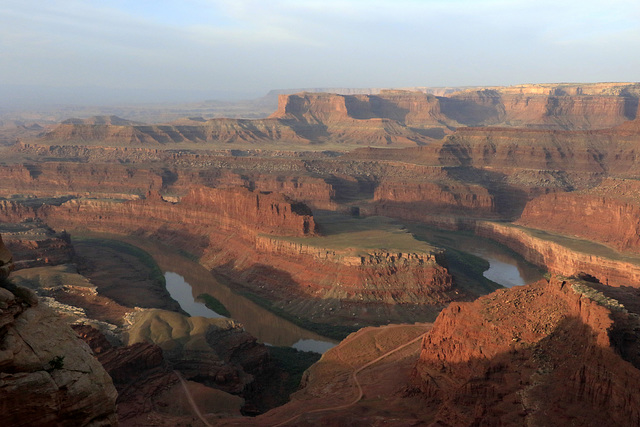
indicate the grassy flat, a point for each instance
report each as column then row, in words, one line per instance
column 355, row 236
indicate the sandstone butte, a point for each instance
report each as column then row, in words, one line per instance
column 538, row 168
column 396, row 118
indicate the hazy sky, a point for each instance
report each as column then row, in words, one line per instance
column 247, row 47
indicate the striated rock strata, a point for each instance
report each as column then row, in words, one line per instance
column 415, row 200
column 34, row 244
column 609, row 214
column 567, row 257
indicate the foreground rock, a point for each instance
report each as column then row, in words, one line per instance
column 47, row 375
column 542, row 354
column 149, row 390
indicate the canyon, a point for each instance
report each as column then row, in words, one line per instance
column 330, row 213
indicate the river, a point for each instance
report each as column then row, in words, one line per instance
column 506, row 267
column 187, row 279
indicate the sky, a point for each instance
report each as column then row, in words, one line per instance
column 109, row 51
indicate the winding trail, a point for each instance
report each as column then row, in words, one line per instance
column 354, row 377
column 190, row 399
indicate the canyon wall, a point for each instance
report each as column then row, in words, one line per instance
column 555, row 110
column 392, row 117
column 416, row 200
column 233, row 231
column 79, row 179
column 34, row 244
column 372, row 277
column 202, row 210
column 609, row 214
column 610, row 268
column 542, row 354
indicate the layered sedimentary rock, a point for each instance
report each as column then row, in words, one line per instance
column 215, row 352
column 206, row 209
column 390, row 117
column 608, row 214
column 49, row 377
column 560, row 107
column 77, row 179
column 567, row 257
column 232, row 231
column 415, row 200
column 543, row 354
column 373, row 277
column 35, row 244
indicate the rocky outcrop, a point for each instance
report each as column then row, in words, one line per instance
column 202, row 211
column 543, row 354
column 369, row 277
column 391, row 117
column 47, row 375
column 215, row 352
column 232, row 231
column 550, row 108
column 147, row 384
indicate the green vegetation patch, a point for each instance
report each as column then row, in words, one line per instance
column 597, row 296
column 155, row 273
column 357, row 235
column 214, row 304
column 467, row 269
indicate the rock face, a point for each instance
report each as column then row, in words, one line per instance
column 6, row 260
column 234, row 231
column 215, row 352
column 563, row 256
column 560, row 107
column 147, row 384
column 47, row 375
column 235, row 209
column 543, row 354
column 414, row 200
column 388, row 118
column 77, row 179
column 609, row 214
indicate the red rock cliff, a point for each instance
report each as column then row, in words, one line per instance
column 414, row 200
column 609, row 214
column 540, row 354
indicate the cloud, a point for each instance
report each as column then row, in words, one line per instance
column 258, row 45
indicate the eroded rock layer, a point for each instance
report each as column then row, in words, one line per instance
column 389, row 118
